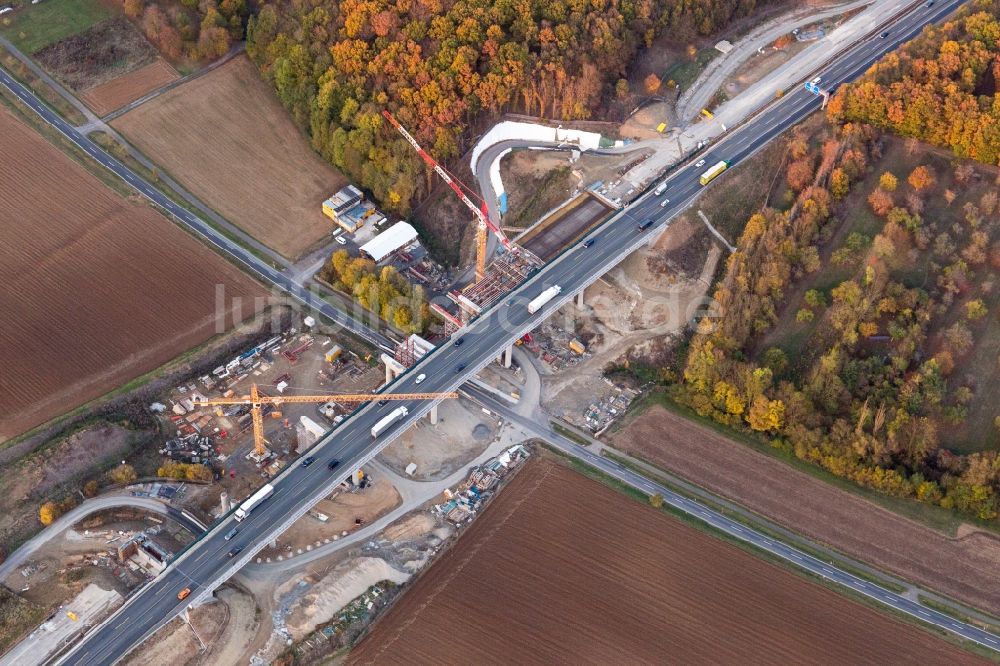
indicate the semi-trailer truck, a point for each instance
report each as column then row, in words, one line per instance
column 387, row 421
column 714, row 171
column 538, row 301
column 253, row 501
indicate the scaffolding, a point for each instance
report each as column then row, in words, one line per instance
column 412, row 349
column 451, row 322
column 505, row 272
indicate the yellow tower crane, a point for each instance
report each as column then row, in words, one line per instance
column 256, row 400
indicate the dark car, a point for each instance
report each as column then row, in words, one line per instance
column 308, row 461
column 588, row 242
column 884, row 34
column 383, row 403
column 645, row 224
column 334, row 464
column 461, row 366
column 235, row 551
column 231, row 533
column 458, row 343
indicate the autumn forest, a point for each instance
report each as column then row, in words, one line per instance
column 441, row 66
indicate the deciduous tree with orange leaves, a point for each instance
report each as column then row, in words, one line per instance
column 938, row 87
column 921, row 178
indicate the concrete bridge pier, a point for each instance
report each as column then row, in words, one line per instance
column 393, row 368
column 432, row 416
column 504, row 357
column 579, row 299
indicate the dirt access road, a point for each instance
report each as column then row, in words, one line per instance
column 961, row 567
column 118, row 92
column 561, row 569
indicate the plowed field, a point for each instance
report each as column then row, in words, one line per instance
column 96, row 289
column 959, row 567
column 226, row 137
column 118, row 92
column 562, row 570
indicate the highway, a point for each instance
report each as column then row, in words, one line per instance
column 204, row 565
column 738, row 530
column 240, row 255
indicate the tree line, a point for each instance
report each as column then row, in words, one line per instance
column 868, row 395
column 194, row 30
column 939, row 88
column 380, row 290
column 439, row 65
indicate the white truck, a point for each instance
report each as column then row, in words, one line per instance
column 386, row 421
column 660, row 189
column 538, row 301
column 254, row 500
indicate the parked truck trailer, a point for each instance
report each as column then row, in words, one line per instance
column 387, row 421
column 538, row 301
column 253, row 501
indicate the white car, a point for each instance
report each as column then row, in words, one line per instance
column 421, row 377
column 699, row 164
column 341, row 240
column 664, row 203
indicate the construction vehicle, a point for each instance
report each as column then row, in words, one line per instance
column 387, row 421
column 713, row 171
column 257, row 400
column 481, row 212
column 253, row 501
column 538, row 301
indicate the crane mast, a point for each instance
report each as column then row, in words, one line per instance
column 257, row 400
column 481, row 212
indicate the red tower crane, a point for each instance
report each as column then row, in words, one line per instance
column 481, row 212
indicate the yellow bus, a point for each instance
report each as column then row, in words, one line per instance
column 707, row 177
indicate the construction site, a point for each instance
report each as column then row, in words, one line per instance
column 247, row 419
column 567, row 224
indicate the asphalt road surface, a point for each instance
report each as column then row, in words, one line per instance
column 204, row 565
column 738, row 530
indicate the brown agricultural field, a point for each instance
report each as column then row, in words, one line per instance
column 563, row 570
column 96, row 289
column 962, row 567
column 118, row 92
column 226, row 137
